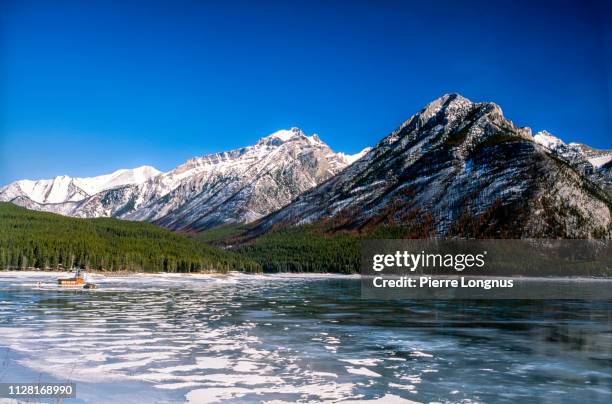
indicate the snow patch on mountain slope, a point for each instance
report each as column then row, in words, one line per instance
column 600, row 161
column 549, row 141
column 58, row 189
column 116, row 179
column 351, row 158
column 598, row 158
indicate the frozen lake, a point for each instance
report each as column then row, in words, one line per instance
column 281, row 338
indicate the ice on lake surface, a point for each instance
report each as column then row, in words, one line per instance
column 279, row 338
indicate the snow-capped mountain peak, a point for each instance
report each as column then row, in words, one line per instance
column 450, row 105
column 288, row 135
column 282, row 136
column 245, row 184
column 548, row 140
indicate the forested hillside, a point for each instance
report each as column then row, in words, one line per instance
column 49, row 241
column 310, row 248
column 304, row 249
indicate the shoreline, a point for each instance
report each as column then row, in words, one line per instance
column 212, row 274
column 111, row 274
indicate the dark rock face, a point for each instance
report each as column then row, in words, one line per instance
column 466, row 170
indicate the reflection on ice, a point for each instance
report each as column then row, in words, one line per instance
column 287, row 338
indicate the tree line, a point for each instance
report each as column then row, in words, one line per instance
column 30, row 239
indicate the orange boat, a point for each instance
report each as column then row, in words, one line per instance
column 76, row 280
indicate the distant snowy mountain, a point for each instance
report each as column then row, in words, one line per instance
column 238, row 186
column 66, row 189
column 461, row 168
column 593, row 163
column 574, row 151
column 351, row 158
column 598, row 158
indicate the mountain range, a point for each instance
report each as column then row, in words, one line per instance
column 238, row 186
column 456, row 168
column 459, row 168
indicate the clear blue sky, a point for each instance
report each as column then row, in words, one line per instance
column 89, row 87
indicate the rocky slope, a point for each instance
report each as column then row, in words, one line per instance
column 461, row 168
column 243, row 185
column 237, row 186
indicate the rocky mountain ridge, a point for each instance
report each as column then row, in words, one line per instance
column 237, row 186
column 455, row 168
column 461, row 168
